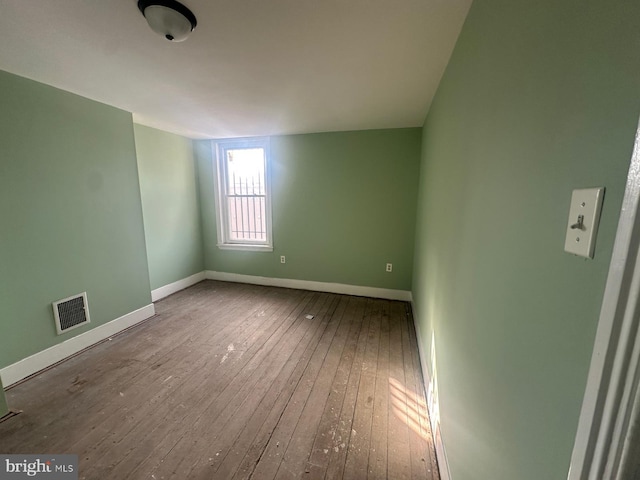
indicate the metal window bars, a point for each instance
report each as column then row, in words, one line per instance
column 246, row 197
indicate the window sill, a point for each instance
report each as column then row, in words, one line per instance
column 245, row 247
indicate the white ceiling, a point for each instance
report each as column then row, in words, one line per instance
column 251, row 67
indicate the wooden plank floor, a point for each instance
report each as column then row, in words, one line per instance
column 236, row 381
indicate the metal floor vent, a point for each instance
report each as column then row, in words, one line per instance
column 71, row 312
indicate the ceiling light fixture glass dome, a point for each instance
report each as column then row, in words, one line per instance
column 168, row 18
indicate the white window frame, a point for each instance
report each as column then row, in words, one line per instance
column 222, row 218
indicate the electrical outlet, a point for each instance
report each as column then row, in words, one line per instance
column 283, row 259
column 389, row 267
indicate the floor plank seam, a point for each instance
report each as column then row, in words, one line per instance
column 266, row 444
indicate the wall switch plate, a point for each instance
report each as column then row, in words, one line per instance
column 584, row 217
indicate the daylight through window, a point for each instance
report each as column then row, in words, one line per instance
column 243, row 195
column 246, row 194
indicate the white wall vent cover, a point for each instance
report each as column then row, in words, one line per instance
column 71, row 312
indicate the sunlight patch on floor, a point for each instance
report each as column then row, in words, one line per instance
column 409, row 408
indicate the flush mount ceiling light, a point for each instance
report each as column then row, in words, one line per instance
column 168, row 18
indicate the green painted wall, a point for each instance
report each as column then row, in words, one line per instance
column 71, row 214
column 539, row 98
column 170, row 205
column 343, row 206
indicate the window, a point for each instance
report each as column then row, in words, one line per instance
column 243, row 212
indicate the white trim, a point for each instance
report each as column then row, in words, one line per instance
column 41, row 360
column 607, row 407
column 219, row 188
column 441, row 453
column 245, row 247
column 342, row 288
column 162, row 292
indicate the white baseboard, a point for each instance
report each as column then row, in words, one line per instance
column 41, row 360
column 160, row 293
column 441, row 454
column 357, row 290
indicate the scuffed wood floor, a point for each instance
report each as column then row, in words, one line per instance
column 236, row 381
